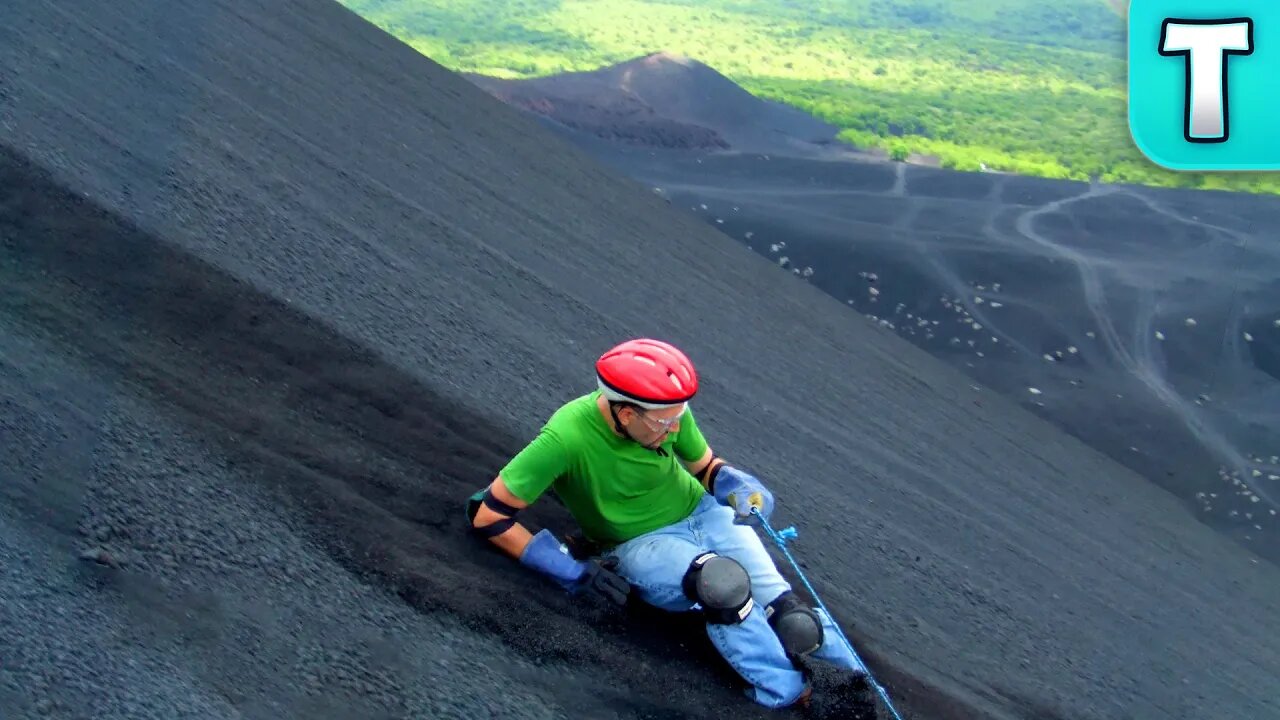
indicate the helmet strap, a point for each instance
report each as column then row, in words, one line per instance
column 617, row 422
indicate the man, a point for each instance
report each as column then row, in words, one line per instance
column 655, row 502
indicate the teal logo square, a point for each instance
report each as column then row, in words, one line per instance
column 1204, row 83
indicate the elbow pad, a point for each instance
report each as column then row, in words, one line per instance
column 485, row 497
column 708, row 479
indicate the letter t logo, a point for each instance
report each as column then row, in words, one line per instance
column 1206, row 44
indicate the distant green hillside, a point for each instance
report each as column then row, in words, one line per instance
column 1016, row 85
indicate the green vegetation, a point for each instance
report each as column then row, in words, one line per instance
column 1012, row 85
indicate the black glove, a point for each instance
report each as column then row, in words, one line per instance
column 601, row 580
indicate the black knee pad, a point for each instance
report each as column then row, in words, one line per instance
column 797, row 625
column 721, row 586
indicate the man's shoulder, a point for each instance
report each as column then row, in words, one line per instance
column 573, row 417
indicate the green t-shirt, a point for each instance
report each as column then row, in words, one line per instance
column 615, row 488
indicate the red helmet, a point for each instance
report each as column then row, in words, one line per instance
column 649, row 373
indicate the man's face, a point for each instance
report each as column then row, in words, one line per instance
column 651, row 427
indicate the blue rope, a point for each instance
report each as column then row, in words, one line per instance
column 781, row 538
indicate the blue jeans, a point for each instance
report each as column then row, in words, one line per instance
column 655, row 564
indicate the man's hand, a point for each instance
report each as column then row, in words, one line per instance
column 742, row 491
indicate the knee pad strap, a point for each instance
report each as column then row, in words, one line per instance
column 797, row 625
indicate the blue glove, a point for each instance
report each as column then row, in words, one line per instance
column 742, row 491
column 549, row 556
